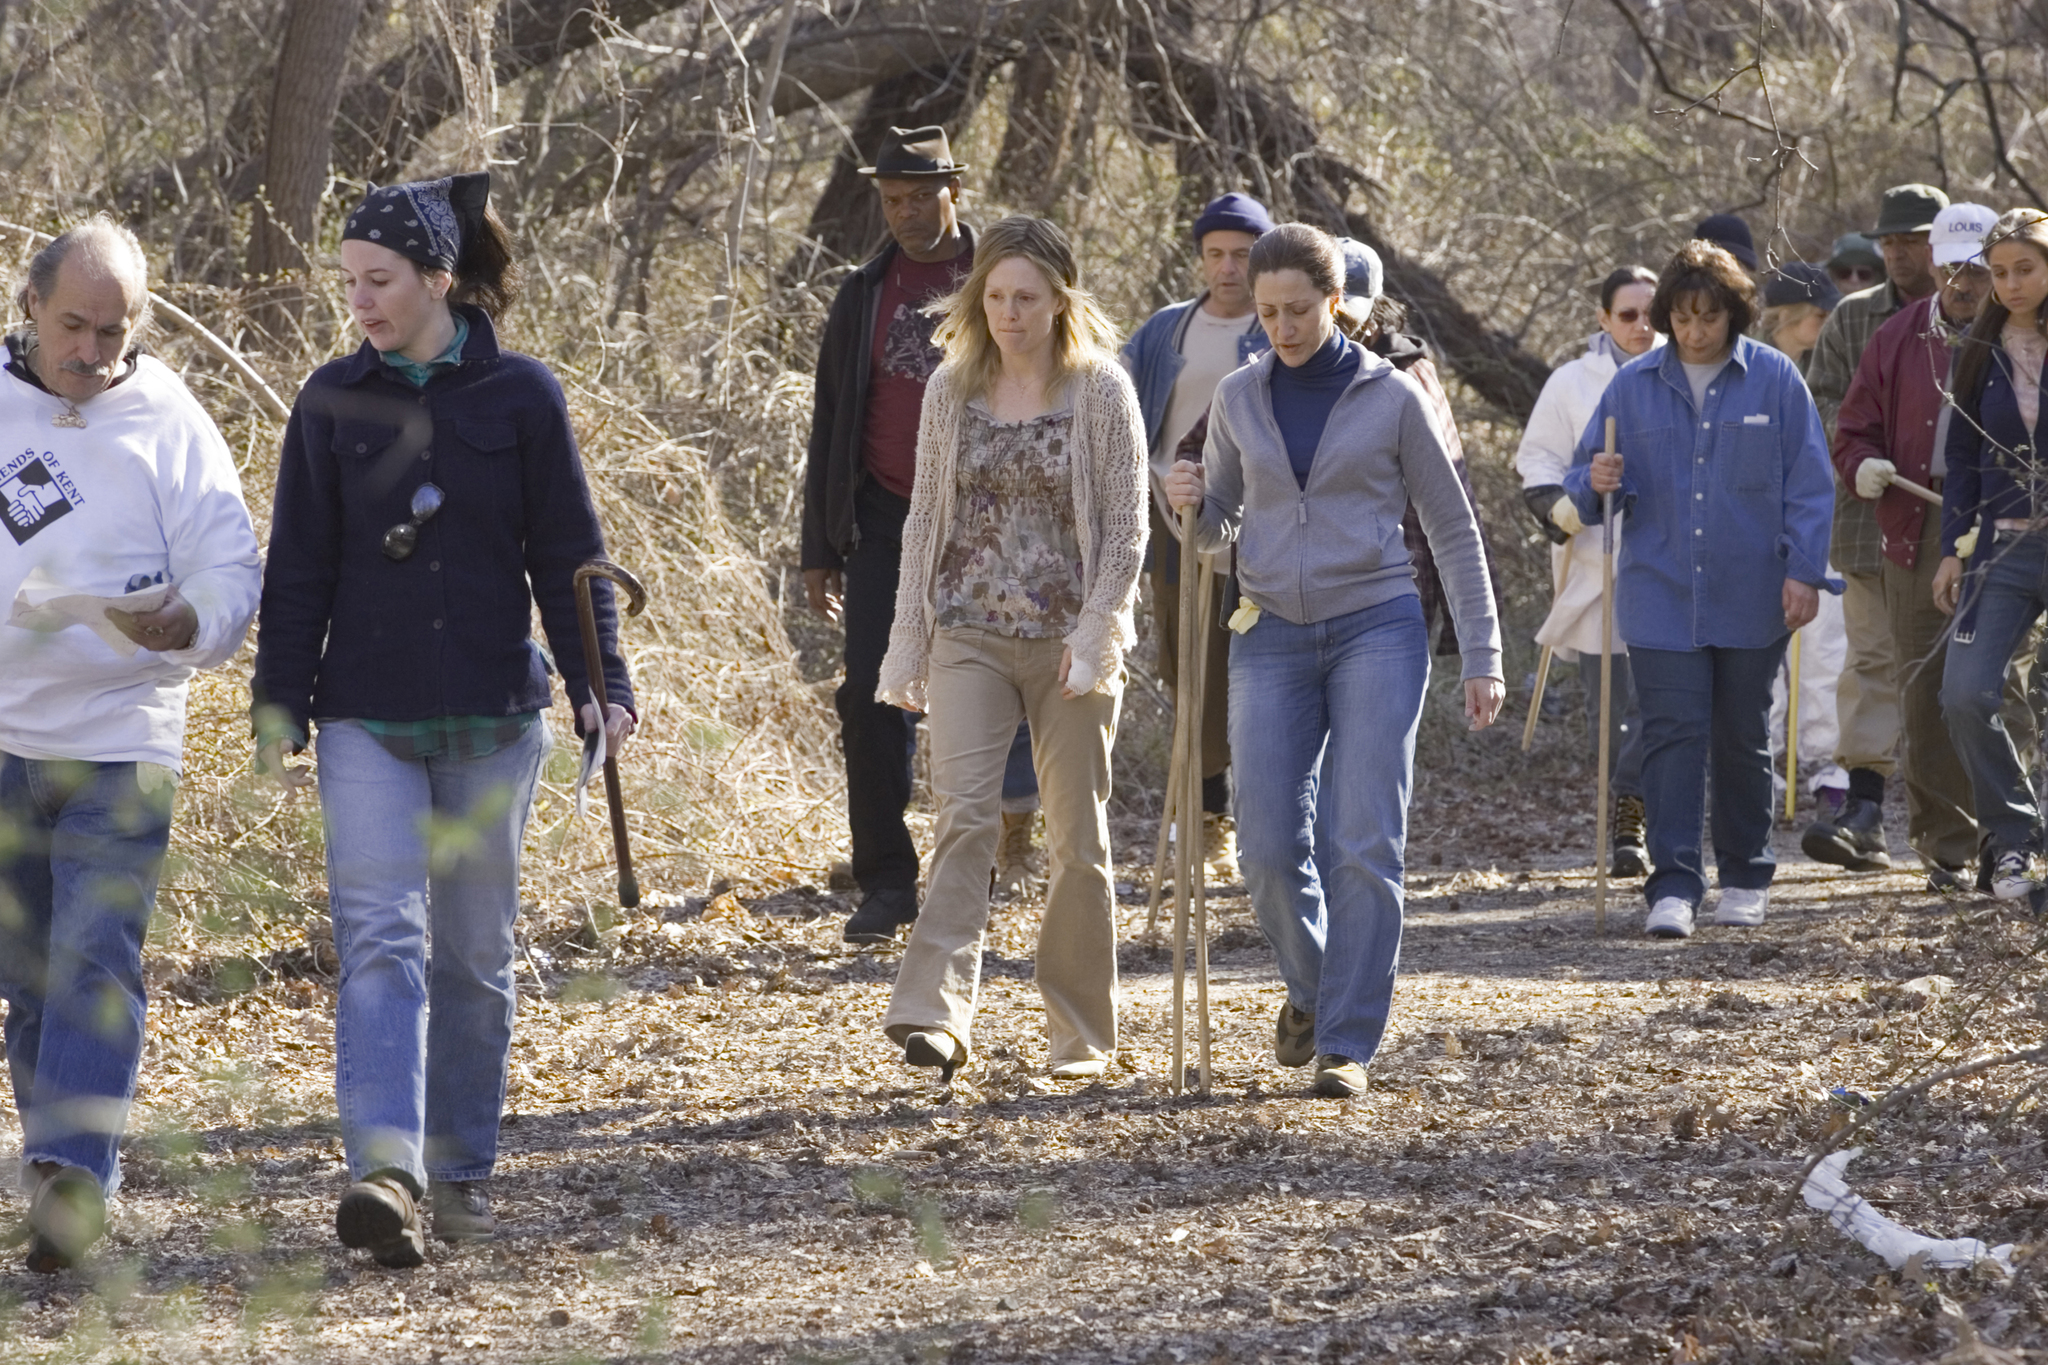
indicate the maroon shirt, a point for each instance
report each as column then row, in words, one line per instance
column 1893, row 412
column 904, row 358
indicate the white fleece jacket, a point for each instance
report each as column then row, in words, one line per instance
column 146, row 492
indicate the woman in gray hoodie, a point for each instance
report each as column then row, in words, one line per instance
column 1315, row 450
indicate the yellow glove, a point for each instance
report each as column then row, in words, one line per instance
column 1566, row 517
column 1966, row 543
column 1245, row 617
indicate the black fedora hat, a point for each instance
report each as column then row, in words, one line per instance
column 913, row 152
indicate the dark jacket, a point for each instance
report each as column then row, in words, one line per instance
column 833, row 469
column 1986, row 467
column 346, row 632
column 1892, row 412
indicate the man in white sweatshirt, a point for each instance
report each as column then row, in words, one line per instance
column 114, row 484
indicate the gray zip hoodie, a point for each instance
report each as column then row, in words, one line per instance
column 1335, row 547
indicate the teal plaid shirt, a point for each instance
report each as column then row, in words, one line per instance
column 1857, row 546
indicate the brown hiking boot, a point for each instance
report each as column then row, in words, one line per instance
column 1219, row 849
column 380, row 1215
column 1631, row 856
column 66, row 1214
column 462, row 1210
column 1016, row 861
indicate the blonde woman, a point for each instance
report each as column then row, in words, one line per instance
column 1020, row 565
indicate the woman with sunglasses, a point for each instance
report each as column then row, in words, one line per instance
column 429, row 494
column 1573, row 626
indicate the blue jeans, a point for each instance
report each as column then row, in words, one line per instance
column 1707, row 711
column 2012, row 594
column 1322, row 739
column 415, row 846
column 1020, row 778
column 81, row 847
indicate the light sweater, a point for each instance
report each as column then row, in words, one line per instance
column 1107, row 464
column 145, row 492
column 1334, row 547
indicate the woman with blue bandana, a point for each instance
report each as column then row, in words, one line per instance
column 428, row 496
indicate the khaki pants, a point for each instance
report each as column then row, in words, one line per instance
column 1941, row 823
column 1215, row 644
column 981, row 684
column 1867, row 697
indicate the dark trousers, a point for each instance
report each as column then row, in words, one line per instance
column 877, row 738
column 1624, row 722
column 1707, row 717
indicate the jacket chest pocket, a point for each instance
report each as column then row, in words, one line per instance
column 479, row 436
column 1750, row 458
column 362, row 440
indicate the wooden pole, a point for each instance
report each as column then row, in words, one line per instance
column 1205, row 606
column 1186, row 701
column 593, row 663
column 1606, row 695
column 1564, row 576
column 1792, row 735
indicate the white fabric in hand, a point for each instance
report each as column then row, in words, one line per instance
column 1565, row 517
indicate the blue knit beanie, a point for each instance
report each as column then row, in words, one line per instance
column 1233, row 212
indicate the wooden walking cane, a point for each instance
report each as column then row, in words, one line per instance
column 593, row 661
column 1606, row 694
column 1187, row 706
column 1198, row 881
column 1169, row 803
column 1792, row 735
column 1564, row 576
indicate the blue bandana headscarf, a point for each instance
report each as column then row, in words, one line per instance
column 428, row 221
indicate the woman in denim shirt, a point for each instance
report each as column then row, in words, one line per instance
column 429, row 495
column 1992, row 468
column 1723, row 472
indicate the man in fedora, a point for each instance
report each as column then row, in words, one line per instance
column 873, row 361
column 1848, row 828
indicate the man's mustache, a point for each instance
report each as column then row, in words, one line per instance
column 80, row 368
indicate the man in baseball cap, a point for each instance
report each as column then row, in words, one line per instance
column 1893, row 427
column 1849, row 827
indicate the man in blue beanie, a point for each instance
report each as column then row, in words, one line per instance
column 1732, row 235
column 1176, row 360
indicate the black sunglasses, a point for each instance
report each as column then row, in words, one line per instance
column 1854, row 274
column 400, row 540
column 1627, row 316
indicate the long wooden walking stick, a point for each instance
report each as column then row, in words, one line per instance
column 1564, row 576
column 593, row 661
column 1606, row 694
column 1198, row 881
column 1170, row 802
column 1187, row 722
column 1792, row 735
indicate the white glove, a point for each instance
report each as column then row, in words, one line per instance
column 1566, row 517
column 1080, row 677
column 1873, row 477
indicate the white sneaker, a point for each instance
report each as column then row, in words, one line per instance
column 1670, row 917
column 1741, row 908
column 2012, row 877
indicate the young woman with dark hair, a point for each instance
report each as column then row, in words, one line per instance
column 428, row 495
column 1723, row 472
column 1314, row 451
column 1992, row 520
column 1020, row 565
column 1573, row 626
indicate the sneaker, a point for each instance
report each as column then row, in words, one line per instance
column 1945, row 879
column 1015, row 863
column 1219, row 849
column 1670, row 917
column 1339, row 1077
column 66, row 1214
column 1085, row 1069
column 1828, row 803
column 2012, row 876
column 934, row 1047
column 1742, row 907
column 1294, row 1036
column 380, row 1216
column 1855, row 840
column 1631, row 856
column 462, row 1210
column 881, row 914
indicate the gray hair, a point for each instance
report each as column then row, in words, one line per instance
column 103, row 240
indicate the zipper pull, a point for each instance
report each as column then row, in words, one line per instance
column 1301, row 511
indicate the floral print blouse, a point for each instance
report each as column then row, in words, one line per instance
column 1012, row 560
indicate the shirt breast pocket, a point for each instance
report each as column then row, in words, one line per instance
column 1751, row 461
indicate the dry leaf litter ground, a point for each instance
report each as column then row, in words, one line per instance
column 1575, row 1148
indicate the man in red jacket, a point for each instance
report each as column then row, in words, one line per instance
column 1893, row 424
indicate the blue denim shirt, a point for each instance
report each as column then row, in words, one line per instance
column 1723, row 505
column 1153, row 357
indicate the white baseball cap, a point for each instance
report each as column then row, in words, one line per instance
column 1959, row 232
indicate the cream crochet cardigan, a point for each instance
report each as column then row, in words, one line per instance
column 1107, row 462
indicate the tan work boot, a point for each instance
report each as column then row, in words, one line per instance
column 1015, row 860
column 1219, row 849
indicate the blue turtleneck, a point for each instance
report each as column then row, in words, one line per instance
column 1303, row 396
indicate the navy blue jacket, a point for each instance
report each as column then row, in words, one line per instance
column 348, row 633
column 1985, row 467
